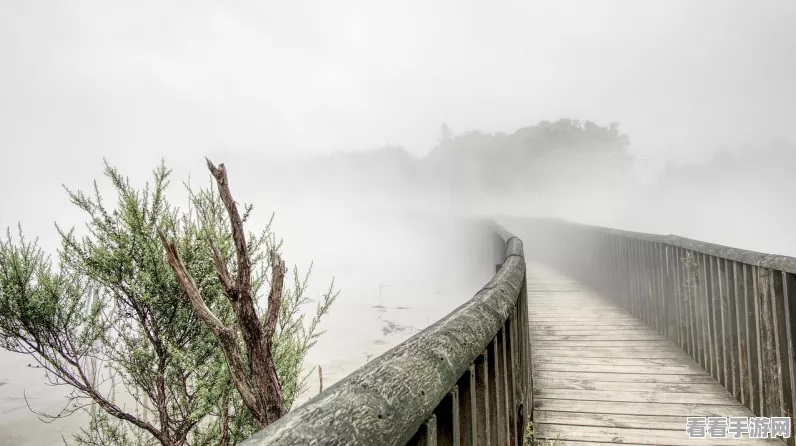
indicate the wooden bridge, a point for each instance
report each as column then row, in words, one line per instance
column 603, row 336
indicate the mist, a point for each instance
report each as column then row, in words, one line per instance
column 381, row 137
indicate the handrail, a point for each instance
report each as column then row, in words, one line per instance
column 733, row 311
column 772, row 261
column 466, row 378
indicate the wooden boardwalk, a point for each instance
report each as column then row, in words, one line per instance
column 602, row 376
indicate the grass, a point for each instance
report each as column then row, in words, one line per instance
column 528, row 440
column 527, row 437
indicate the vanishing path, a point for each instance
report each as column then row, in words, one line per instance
column 602, row 376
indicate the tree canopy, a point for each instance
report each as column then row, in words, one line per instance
column 112, row 322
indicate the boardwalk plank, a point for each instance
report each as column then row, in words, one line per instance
column 627, row 369
column 622, row 377
column 607, row 352
column 638, row 436
column 635, row 397
column 581, row 360
column 637, row 347
column 596, row 337
column 583, row 319
column 695, row 388
column 615, row 407
column 607, row 325
column 675, row 423
column 589, row 334
column 545, row 442
column 602, row 376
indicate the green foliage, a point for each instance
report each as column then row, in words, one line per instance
column 527, row 436
column 111, row 322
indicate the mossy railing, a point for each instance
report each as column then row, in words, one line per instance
column 466, row 379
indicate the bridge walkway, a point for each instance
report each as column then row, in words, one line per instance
column 602, row 376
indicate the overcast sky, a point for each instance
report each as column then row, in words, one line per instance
column 136, row 81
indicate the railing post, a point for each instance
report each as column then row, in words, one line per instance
column 467, row 407
column 789, row 333
column 447, row 416
column 496, row 428
column 427, row 435
column 483, row 398
column 511, row 358
column 527, row 360
column 508, row 403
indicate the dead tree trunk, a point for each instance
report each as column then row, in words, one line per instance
column 255, row 378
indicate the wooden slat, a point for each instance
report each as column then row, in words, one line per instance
column 706, row 388
column 636, row 397
column 607, row 332
column 547, row 442
column 543, row 299
column 574, row 326
column 771, row 371
column 624, row 317
column 566, row 310
column 602, row 376
column 600, row 337
column 627, row 369
column 483, row 398
column 789, row 329
column 623, row 377
column 580, row 360
column 595, row 322
column 467, row 406
column 607, row 352
column 640, row 347
column 675, row 423
column 599, row 343
column 640, row 436
column 615, row 407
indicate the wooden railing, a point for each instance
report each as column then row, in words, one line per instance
column 466, row 379
column 733, row 311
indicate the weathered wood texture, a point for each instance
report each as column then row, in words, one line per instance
column 732, row 311
column 628, row 385
column 466, row 376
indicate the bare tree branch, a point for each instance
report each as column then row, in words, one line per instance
column 229, row 288
column 238, row 235
column 278, row 271
column 224, row 406
column 188, row 284
column 226, row 336
column 257, row 340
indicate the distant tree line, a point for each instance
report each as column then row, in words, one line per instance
column 542, row 156
column 547, row 155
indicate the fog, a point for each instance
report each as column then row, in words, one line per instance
column 329, row 115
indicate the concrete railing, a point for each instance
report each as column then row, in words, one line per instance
column 733, row 311
column 466, row 379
